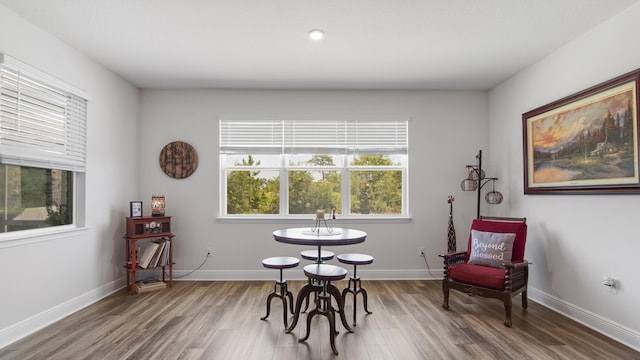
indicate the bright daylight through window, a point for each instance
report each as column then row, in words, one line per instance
column 291, row 168
column 42, row 148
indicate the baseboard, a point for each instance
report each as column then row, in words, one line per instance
column 604, row 326
column 17, row 331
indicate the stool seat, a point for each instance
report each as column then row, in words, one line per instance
column 280, row 262
column 355, row 259
column 325, row 272
column 313, row 255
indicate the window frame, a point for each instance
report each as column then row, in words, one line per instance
column 20, row 83
column 343, row 167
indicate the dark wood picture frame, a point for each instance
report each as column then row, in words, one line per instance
column 586, row 143
column 135, row 209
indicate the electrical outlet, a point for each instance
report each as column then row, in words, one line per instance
column 209, row 251
column 610, row 283
column 422, row 250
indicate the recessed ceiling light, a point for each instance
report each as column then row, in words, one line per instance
column 316, row 34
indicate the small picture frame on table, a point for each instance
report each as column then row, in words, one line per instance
column 135, row 209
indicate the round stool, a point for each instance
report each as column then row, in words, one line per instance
column 313, row 255
column 280, row 288
column 323, row 275
column 354, row 286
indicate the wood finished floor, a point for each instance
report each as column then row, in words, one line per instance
column 221, row 320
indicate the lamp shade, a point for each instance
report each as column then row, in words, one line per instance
column 473, row 173
column 469, row 185
column 493, row 197
column 157, row 205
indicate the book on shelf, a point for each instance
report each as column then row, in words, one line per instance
column 163, row 259
column 153, row 254
column 149, row 284
column 156, row 256
column 147, row 254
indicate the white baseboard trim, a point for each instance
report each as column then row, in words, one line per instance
column 26, row 327
column 604, row 326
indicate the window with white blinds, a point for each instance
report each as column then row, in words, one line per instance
column 42, row 120
column 313, row 136
column 291, row 168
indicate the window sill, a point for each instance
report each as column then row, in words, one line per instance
column 310, row 220
column 39, row 235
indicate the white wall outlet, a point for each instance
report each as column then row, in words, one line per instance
column 610, row 283
column 422, row 251
column 209, row 252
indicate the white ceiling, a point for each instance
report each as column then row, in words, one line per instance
column 369, row 44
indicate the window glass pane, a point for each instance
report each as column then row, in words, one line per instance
column 353, row 166
column 376, row 192
column 314, row 190
column 315, row 160
column 254, row 160
column 377, row 160
column 34, row 198
column 253, row 192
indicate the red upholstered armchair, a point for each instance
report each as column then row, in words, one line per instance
column 486, row 269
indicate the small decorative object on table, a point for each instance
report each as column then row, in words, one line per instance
column 320, row 218
column 157, row 205
column 451, row 231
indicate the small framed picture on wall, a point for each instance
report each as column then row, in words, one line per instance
column 135, row 209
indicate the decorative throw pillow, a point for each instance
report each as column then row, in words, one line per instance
column 490, row 249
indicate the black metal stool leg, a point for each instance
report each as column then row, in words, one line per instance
column 304, row 292
column 354, row 287
column 281, row 291
column 271, row 296
column 324, row 308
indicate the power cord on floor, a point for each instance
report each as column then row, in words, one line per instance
column 194, row 270
column 427, row 263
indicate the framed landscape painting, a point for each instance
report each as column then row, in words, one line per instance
column 585, row 143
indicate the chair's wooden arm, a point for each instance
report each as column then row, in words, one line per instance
column 516, row 275
column 452, row 254
column 516, row 266
column 453, row 258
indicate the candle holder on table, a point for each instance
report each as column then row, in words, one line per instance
column 320, row 219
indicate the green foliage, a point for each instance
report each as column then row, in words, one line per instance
column 306, row 194
column 248, row 193
column 27, row 190
column 376, row 192
column 372, row 192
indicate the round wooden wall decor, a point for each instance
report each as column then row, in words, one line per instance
column 178, row 159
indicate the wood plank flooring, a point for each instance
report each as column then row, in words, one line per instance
column 221, row 320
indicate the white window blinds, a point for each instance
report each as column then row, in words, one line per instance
column 42, row 120
column 313, row 136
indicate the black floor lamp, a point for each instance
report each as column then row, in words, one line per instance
column 476, row 179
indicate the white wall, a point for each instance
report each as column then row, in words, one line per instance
column 47, row 278
column 446, row 131
column 574, row 240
